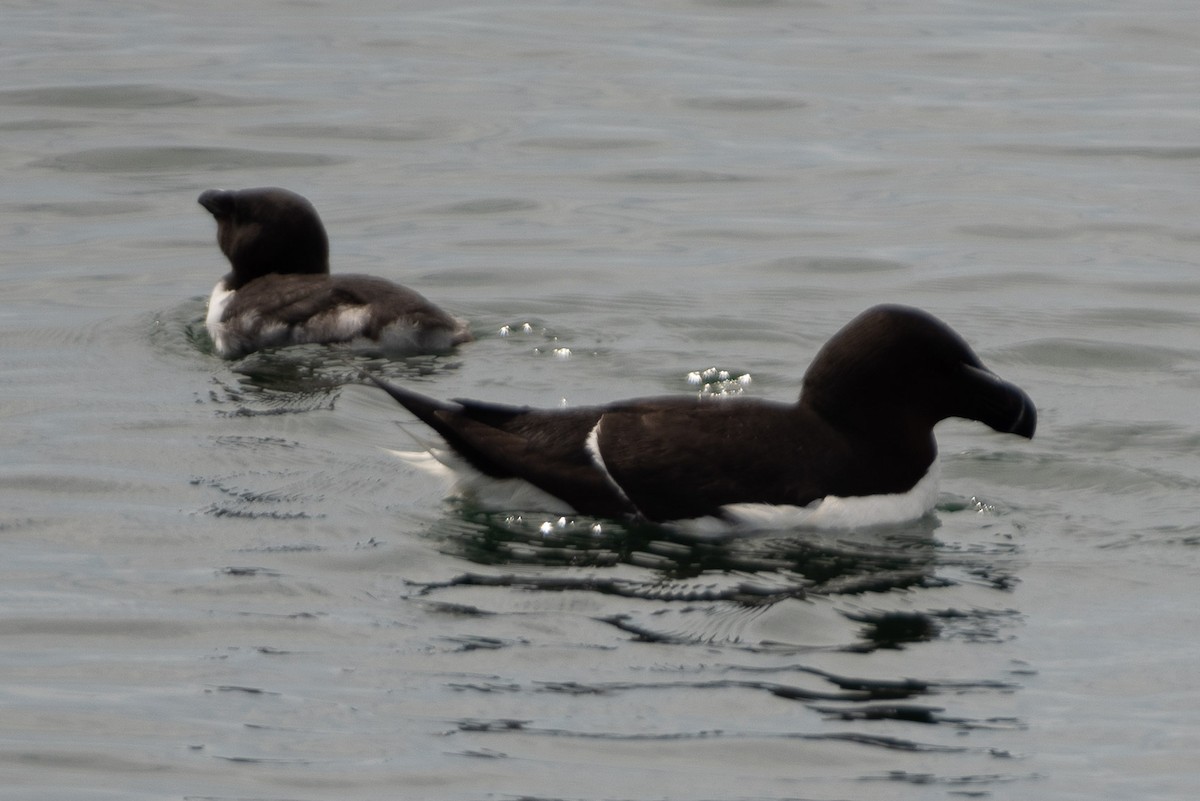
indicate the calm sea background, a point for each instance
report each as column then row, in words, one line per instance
column 216, row 583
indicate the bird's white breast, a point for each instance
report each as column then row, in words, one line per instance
column 830, row 512
column 218, row 301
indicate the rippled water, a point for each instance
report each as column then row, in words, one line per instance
column 218, row 584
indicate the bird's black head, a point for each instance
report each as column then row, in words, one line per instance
column 267, row 230
column 898, row 367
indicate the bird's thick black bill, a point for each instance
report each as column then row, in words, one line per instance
column 1003, row 406
column 217, row 202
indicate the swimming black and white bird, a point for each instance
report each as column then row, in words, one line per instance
column 861, row 429
column 280, row 291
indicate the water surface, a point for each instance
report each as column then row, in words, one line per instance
column 218, row 584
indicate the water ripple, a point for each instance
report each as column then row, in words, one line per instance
column 180, row 159
column 743, row 104
column 122, row 96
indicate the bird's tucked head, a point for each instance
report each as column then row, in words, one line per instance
column 267, row 230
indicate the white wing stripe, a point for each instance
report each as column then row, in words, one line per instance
column 593, row 447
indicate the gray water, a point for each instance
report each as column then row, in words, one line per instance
column 218, row 584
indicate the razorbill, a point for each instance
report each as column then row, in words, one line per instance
column 280, row 291
column 861, row 430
